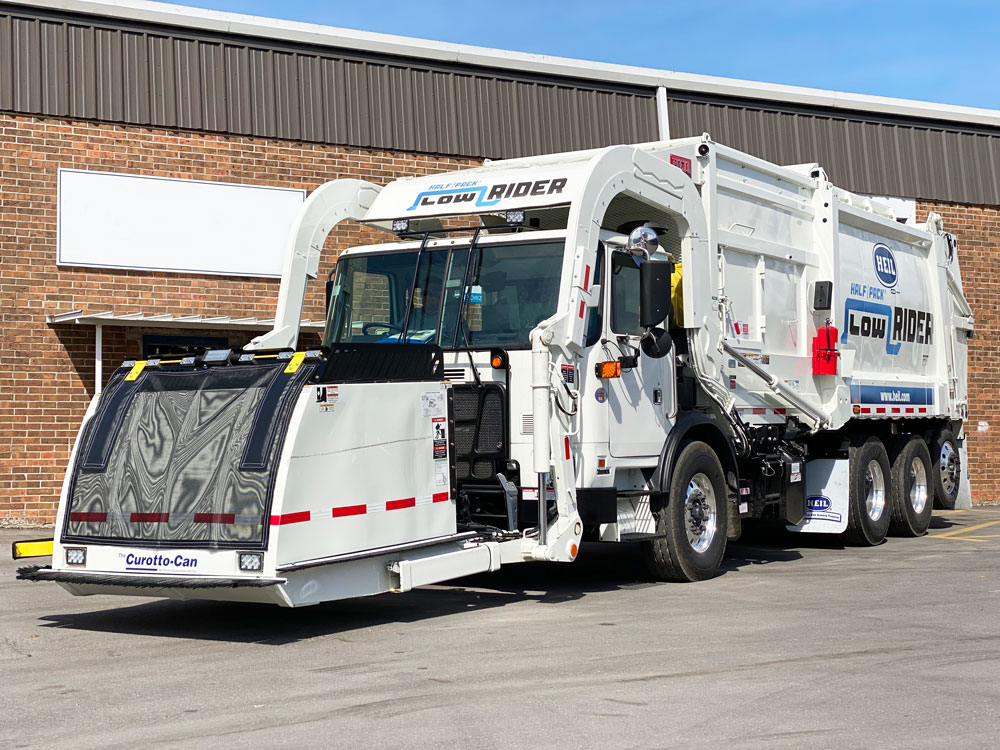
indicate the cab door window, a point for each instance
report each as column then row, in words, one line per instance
column 625, row 294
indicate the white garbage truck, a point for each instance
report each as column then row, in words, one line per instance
column 644, row 343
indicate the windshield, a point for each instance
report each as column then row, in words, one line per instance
column 508, row 289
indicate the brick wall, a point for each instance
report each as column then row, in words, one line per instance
column 977, row 229
column 46, row 372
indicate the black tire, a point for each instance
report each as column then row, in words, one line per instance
column 911, row 491
column 673, row 555
column 946, row 468
column 868, row 512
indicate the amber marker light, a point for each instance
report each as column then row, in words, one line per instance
column 612, row 369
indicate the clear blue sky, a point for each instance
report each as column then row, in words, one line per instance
column 935, row 51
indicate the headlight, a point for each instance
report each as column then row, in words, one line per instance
column 251, row 562
column 76, row 555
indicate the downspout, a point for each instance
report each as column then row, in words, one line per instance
column 662, row 117
column 98, row 359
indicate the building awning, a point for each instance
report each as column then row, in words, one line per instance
column 166, row 320
column 163, row 320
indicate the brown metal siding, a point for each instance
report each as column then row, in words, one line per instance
column 862, row 152
column 63, row 65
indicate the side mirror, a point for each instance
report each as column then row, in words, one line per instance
column 654, row 292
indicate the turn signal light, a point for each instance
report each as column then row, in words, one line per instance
column 498, row 359
column 612, row 369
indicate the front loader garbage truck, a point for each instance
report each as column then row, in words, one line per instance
column 645, row 343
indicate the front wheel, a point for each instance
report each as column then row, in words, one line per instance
column 691, row 519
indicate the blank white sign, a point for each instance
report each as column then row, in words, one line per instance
column 156, row 223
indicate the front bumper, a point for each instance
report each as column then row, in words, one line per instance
column 144, row 581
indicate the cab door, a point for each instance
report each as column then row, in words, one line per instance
column 642, row 397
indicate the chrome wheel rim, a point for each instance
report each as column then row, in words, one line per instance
column 919, row 490
column 951, row 468
column 874, row 490
column 700, row 512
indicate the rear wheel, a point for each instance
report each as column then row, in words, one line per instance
column 690, row 519
column 868, row 508
column 946, row 469
column 910, row 488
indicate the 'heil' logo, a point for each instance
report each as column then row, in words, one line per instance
column 885, row 265
column 818, row 502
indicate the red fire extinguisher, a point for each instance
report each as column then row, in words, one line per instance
column 825, row 350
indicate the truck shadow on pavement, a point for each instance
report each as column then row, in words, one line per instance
column 599, row 568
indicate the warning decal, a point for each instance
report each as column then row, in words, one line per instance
column 433, row 403
column 326, row 397
column 440, row 449
column 441, row 473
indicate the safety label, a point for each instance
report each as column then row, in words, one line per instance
column 433, row 403
column 440, row 449
column 441, row 473
column 440, row 430
column 761, row 359
column 326, row 397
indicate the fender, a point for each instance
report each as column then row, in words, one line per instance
column 693, row 426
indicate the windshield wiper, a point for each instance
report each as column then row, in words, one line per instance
column 413, row 288
column 467, row 291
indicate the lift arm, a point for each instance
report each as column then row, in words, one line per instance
column 328, row 205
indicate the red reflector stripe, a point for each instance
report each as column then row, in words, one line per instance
column 586, row 278
column 923, row 410
column 408, row 502
column 350, row 510
column 759, row 410
column 215, row 518
column 440, row 497
column 149, row 517
column 880, row 410
column 866, row 410
column 567, row 449
column 779, row 412
column 583, row 306
column 88, row 517
column 895, row 410
column 302, row 515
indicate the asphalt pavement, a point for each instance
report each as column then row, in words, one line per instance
column 798, row 644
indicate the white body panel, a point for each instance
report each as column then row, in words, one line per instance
column 780, row 233
column 360, row 470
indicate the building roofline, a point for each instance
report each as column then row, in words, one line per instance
column 388, row 44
